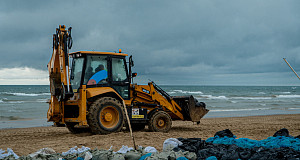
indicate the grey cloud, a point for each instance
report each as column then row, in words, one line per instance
column 167, row 38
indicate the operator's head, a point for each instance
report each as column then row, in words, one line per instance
column 99, row 68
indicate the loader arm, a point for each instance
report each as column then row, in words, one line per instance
column 178, row 107
column 165, row 99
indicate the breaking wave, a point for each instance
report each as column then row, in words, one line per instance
column 287, row 96
column 214, row 97
column 26, row 94
column 234, row 110
column 184, row 92
column 42, row 100
column 252, row 98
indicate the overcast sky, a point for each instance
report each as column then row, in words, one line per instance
column 187, row 42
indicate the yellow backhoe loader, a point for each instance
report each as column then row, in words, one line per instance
column 89, row 95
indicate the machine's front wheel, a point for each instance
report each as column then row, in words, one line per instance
column 106, row 116
column 160, row 122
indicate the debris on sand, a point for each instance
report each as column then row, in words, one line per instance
column 224, row 145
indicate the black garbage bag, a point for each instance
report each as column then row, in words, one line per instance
column 190, row 144
column 282, row 132
column 224, row 133
column 221, row 151
column 274, row 153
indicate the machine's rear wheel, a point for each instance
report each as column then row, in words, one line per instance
column 160, row 122
column 106, row 116
column 71, row 127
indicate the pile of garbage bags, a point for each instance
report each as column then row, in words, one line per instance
column 85, row 153
column 224, row 145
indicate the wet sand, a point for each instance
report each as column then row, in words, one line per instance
column 28, row 140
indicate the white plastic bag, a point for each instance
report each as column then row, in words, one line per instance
column 124, row 149
column 76, row 150
column 43, row 151
column 171, row 143
column 150, row 149
column 9, row 152
column 88, row 156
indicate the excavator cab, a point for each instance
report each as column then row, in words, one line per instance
column 98, row 69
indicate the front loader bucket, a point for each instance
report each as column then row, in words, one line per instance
column 191, row 109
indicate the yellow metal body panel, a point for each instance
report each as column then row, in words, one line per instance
column 81, row 102
column 92, row 92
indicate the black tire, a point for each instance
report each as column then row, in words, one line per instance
column 138, row 127
column 71, row 127
column 160, row 122
column 105, row 116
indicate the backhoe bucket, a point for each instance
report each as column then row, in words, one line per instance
column 192, row 110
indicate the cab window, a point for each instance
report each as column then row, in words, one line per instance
column 76, row 73
column 118, row 70
column 96, row 70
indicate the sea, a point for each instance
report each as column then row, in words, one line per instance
column 26, row 106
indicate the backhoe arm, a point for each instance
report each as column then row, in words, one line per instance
column 58, row 68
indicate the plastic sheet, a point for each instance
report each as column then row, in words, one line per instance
column 270, row 142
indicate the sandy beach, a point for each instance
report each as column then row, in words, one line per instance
column 28, row 140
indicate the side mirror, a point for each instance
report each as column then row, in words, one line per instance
column 131, row 63
column 134, row 75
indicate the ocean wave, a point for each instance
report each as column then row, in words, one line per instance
column 15, row 102
column 252, row 98
column 5, row 100
column 235, row 110
column 294, row 108
column 14, row 111
column 285, row 92
column 42, row 100
column 10, row 118
column 171, row 92
column 287, row 96
column 185, row 92
column 26, row 94
column 214, row 97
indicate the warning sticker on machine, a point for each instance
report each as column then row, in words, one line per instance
column 136, row 113
column 137, row 116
